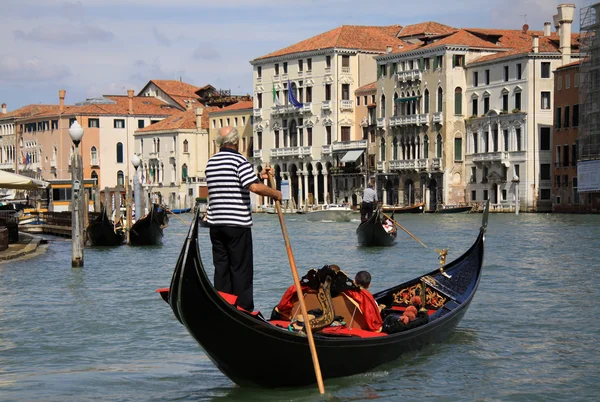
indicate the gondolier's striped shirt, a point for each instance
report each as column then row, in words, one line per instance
column 228, row 175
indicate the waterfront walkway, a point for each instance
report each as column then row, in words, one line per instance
column 27, row 245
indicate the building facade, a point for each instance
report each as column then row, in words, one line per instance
column 305, row 142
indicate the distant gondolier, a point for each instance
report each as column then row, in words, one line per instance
column 369, row 199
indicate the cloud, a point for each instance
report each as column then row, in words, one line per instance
column 160, row 37
column 13, row 70
column 65, row 34
column 206, row 51
column 145, row 71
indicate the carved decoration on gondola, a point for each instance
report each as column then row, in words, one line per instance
column 433, row 298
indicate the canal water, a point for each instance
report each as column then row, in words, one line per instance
column 103, row 333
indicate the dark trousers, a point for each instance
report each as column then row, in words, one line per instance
column 233, row 260
column 366, row 211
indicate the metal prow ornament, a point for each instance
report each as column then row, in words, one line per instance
column 443, row 253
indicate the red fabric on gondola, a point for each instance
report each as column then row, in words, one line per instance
column 368, row 306
column 280, row 323
column 229, row 298
column 343, row 331
column 289, row 298
column 161, row 290
column 403, row 308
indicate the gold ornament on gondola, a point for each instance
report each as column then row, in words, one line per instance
column 443, row 253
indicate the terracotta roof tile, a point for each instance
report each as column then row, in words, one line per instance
column 570, row 65
column 28, row 111
column 374, row 38
column 176, row 88
column 425, row 28
column 366, row 88
column 179, row 121
column 546, row 45
column 236, row 106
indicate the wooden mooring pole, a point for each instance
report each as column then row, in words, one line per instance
column 76, row 198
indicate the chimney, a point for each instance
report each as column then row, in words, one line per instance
column 556, row 24
column 565, row 19
column 130, row 96
column 199, row 111
column 525, row 28
column 547, row 28
column 536, row 44
column 388, row 49
column 4, row 108
column 61, row 96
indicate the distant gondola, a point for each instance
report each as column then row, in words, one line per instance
column 413, row 209
column 371, row 233
column 252, row 351
column 180, row 210
column 104, row 232
column 148, row 231
column 455, row 210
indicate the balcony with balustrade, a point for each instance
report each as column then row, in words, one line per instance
column 411, row 75
column 53, row 163
column 438, row 117
column 299, row 152
column 93, row 162
column 326, row 105
column 326, row 149
column 348, row 145
column 276, row 78
column 408, row 164
column 436, row 163
column 423, row 118
column 257, row 153
column 258, row 113
column 381, row 122
column 346, row 105
column 307, row 108
column 345, row 70
column 381, row 166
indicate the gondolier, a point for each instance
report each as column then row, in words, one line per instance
column 230, row 178
column 369, row 199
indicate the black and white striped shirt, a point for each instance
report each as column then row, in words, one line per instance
column 228, row 175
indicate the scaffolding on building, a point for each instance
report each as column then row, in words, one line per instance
column 589, row 83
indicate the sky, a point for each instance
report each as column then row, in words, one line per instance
column 104, row 47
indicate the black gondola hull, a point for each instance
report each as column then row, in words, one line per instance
column 148, row 231
column 455, row 210
column 101, row 232
column 372, row 234
column 253, row 352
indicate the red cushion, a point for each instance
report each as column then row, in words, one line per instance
column 280, row 323
column 229, row 298
column 403, row 308
column 343, row 331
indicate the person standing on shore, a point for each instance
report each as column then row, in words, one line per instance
column 368, row 201
column 230, row 178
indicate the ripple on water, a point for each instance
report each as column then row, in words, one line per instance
column 102, row 332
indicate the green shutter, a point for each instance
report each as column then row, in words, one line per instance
column 458, row 149
column 435, row 63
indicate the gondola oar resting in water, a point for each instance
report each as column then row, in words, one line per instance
column 256, row 352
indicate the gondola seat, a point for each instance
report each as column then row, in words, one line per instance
column 343, row 306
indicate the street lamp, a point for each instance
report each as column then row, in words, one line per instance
column 76, row 134
column 137, row 188
column 516, row 181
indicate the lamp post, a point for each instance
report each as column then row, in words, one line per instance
column 137, row 188
column 516, row 181
column 76, row 134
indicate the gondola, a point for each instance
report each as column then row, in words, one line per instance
column 371, row 233
column 413, row 209
column 254, row 352
column 103, row 231
column 148, row 231
column 455, row 210
column 180, row 210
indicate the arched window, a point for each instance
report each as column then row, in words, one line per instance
column 475, row 145
column 119, row 152
column 458, row 101
column 395, row 149
column 184, row 172
column 185, row 146
column 94, row 155
column 425, row 147
column 395, row 104
column 293, row 129
column 382, row 155
column 439, row 146
column 120, row 178
column 440, row 100
column 382, row 105
column 426, row 101
column 94, row 176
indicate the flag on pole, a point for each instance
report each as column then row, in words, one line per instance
column 292, row 98
column 275, row 97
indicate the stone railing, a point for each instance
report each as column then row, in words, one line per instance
column 348, row 145
column 291, row 151
column 257, row 153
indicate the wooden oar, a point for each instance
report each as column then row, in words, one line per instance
column 400, row 226
column 311, row 341
column 177, row 216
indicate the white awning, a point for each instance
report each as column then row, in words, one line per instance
column 17, row 181
column 352, row 156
